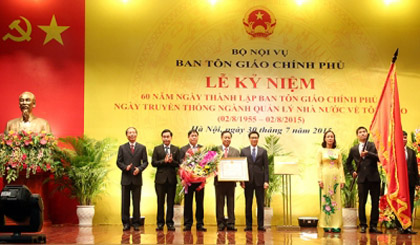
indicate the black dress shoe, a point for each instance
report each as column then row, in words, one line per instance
column 231, row 228
column 362, row 229
column 136, row 227
column 187, row 228
column 374, row 230
column 410, row 231
column 171, row 228
column 159, row 228
column 261, row 228
column 401, row 230
column 248, row 229
column 201, row 228
column 126, row 228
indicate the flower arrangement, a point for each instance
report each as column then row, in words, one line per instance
column 329, row 205
column 26, row 151
column 386, row 215
column 198, row 165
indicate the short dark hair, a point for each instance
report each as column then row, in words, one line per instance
column 226, row 132
column 361, row 127
column 166, row 131
column 253, row 132
column 192, row 131
column 126, row 131
column 324, row 143
column 405, row 133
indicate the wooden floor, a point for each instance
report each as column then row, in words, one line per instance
column 113, row 234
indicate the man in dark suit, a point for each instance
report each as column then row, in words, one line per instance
column 199, row 194
column 166, row 159
column 132, row 160
column 413, row 180
column 226, row 190
column 368, row 179
column 258, row 179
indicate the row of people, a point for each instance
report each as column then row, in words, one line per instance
column 166, row 158
column 132, row 160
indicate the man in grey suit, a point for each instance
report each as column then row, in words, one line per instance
column 132, row 160
column 226, row 190
column 199, row 194
column 166, row 159
column 258, row 180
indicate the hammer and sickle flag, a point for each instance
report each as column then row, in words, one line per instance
column 23, row 35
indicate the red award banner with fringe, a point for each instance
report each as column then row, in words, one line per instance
column 387, row 133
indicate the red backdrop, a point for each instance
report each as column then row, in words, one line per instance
column 48, row 64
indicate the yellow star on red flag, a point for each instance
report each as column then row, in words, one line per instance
column 53, row 31
column 259, row 15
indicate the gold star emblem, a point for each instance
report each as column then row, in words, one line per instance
column 259, row 15
column 53, row 31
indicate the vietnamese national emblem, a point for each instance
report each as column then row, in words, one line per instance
column 259, row 22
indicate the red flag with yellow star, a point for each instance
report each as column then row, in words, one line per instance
column 387, row 133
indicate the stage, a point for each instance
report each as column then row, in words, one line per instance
column 113, row 234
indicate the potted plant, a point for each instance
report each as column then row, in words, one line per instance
column 274, row 149
column 349, row 198
column 83, row 171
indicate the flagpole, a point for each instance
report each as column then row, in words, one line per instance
column 395, row 56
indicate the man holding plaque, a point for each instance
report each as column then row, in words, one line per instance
column 166, row 161
column 258, row 180
column 226, row 189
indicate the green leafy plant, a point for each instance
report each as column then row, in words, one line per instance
column 84, row 167
column 274, row 149
column 349, row 197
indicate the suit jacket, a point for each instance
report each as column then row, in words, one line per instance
column 184, row 150
column 165, row 172
column 138, row 159
column 258, row 170
column 367, row 170
column 233, row 152
column 412, row 168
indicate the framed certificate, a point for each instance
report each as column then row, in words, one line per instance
column 233, row 169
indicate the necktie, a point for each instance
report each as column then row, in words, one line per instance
column 132, row 148
column 254, row 155
column 226, row 152
column 167, row 150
